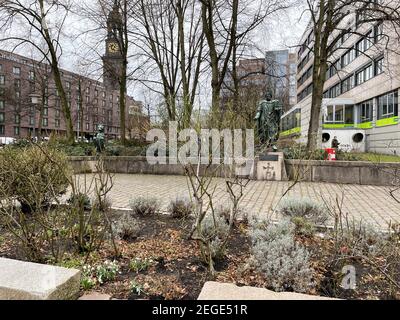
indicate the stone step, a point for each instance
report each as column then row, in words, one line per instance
column 21, row 280
column 228, row 291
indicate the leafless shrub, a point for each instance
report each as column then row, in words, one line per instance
column 144, row 206
column 181, row 208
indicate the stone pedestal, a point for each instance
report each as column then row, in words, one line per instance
column 271, row 167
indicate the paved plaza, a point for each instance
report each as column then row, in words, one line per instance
column 372, row 204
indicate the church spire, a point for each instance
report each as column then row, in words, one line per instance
column 114, row 20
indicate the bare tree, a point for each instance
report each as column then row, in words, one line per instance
column 329, row 30
column 169, row 39
column 42, row 23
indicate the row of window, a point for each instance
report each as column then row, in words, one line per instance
column 360, row 76
column 387, row 107
column 305, row 76
column 304, row 93
column 361, row 46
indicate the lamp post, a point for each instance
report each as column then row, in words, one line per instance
column 35, row 98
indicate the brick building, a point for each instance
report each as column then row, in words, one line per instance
column 92, row 102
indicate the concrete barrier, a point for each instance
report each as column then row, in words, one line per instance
column 228, row 291
column 353, row 172
column 21, row 280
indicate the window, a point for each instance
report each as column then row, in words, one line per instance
column 17, row 119
column 2, row 80
column 378, row 66
column 388, row 105
column 96, row 92
column 2, row 117
column 378, row 32
column 368, row 72
column 347, row 84
column 17, row 71
column 87, row 90
column 334, row 68
column 335, row 91
column 103, row 94
column 68, row 85
column 87, row 126
column 16, row 131
column 45, row 122
column 365, row 111
column 368, row 41
column 348, row 57
column 57, row 123
column 340, row 114
column 348, row 114
column 1, row 129
column 45, row 111
column 31, row 121
column 2, row 105
column 31, row 75
column 1, row 67
column 364, row 74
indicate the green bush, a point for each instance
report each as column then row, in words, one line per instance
column 33, row 175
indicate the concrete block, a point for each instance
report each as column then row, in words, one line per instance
column 227, row 291
column 21, row 280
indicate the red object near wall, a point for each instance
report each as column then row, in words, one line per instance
column 330, row 154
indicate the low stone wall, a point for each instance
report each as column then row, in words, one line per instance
column 139, row 165
column 353, row 172
column 347, row 172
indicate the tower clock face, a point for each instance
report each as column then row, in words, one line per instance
column 113, row 47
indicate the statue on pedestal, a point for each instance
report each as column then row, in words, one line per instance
column 268, row 119
column 99, row 139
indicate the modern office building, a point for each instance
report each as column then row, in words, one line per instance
column 360, row 104
column 281, row 76
column 92, row 102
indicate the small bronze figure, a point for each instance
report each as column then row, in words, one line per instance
column 99, row 139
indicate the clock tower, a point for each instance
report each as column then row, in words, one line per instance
column 112, row 60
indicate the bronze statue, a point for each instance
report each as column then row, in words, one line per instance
column 99, row 139
column 268, row 119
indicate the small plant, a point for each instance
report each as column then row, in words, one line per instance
column 136, row 287
column 214, row 228
column 284, row 263
column 80, row 199
column 304, row 213
column 138, row 265
column 143, row 206
column 107, row 271
column 181, row 208
column 126, row 227
column 87, row 283
column 87, row 279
